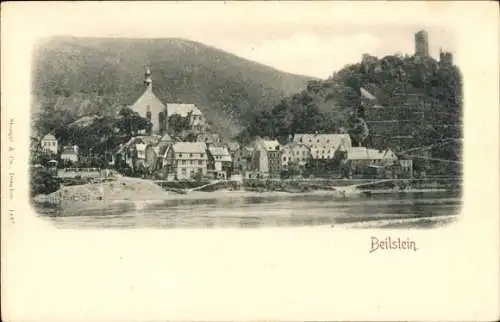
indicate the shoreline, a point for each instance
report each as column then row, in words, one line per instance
column 124, row 194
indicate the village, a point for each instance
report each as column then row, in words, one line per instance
column 160, row 155
column 175, row 143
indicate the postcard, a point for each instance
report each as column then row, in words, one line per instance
column 250, row 161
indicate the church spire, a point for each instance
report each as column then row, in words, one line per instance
column 147, row 78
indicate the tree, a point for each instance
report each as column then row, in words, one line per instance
column 178, row 123
column 43, row 182
column 358, row 130
column 130, row 123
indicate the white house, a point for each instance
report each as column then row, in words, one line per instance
column 186, row 159
column 49, row 143
column 70, row 153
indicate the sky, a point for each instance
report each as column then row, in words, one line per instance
column 314, row 39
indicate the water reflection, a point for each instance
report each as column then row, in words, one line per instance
column 275, row 211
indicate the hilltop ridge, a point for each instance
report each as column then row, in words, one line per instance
column 85, row 75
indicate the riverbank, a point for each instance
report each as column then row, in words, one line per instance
column 126, row 194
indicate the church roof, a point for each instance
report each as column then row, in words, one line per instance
column 49, row 137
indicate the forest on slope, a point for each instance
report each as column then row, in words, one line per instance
column 75, row 77
column 334, row 105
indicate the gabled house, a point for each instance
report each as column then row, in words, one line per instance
column 324, row 146
column 266, row 157
column 185, row 160
column 139, row 150
column 294, row 152
column 220, row 162
column 358, row 159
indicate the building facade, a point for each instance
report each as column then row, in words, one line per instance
column 70, row 153
column 185, row 160
column 324, row 146
column 49, row 144
column 219, row 162
column 266, row 158
column 294, row 152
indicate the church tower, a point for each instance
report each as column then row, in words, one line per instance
column 148, row 82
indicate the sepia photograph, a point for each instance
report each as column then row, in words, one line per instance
column 250, row 161
column 361, row 127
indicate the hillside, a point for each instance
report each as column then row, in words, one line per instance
column 82, row 76
column 421, row 100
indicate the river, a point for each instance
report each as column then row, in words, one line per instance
column 275, row 211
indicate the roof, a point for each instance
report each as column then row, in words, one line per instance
column 358, row 153
column 291, row 145
column 148, row 98
column 362, row 153
column 166, row 138
column 330, row 140
column 220, row 151
column 182, row 109
column 268, row 145
column 189, row 147
column 49, row 137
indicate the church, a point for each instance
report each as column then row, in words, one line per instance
column 148, row 105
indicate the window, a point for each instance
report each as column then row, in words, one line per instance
column 190, row 155
column 183, row 170
column 202, row 155
column 192, row 162
column 179, row 155
column 200, row 162
column 284, row 159
column 183, row 162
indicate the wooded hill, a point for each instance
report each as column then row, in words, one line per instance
column 84, row 76
column 335, row 105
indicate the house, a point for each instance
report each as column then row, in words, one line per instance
column 359, row 159
column 187, row 110
column 324, row 146
column 146, row 156
column 266, row 157
column 232, row 147
column 326, row 151
column 49, row 144
column 184, row 160
column 295, row 152
column 219, row 162
column 242, row 159
column 70, row 153
column 141, row 148
column 148, row 105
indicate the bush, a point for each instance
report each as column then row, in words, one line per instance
column 43, row 182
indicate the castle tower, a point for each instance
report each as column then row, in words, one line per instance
column 422, row 44
column 445, row 58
